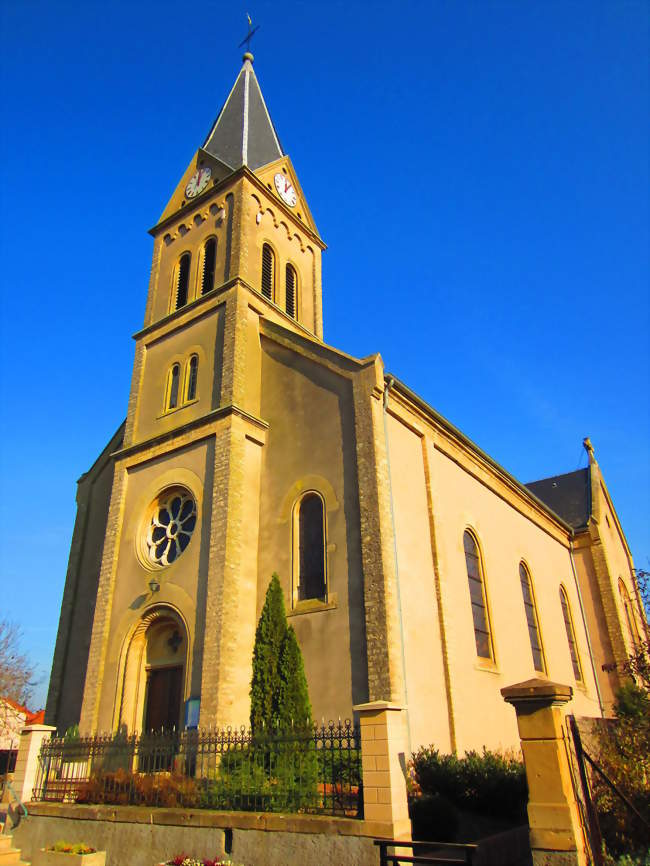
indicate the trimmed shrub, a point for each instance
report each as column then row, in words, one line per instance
column 434, row 818
column 489, row 783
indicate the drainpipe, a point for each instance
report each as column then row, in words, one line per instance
column 387, row 386
column 584, row 623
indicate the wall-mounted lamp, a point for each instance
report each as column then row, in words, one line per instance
column 154, row 586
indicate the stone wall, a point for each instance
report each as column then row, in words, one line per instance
column 140, row 836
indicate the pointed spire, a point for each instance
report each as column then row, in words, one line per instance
column 243, row 133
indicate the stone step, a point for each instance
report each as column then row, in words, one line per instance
column 5, row 842
column 10, row 857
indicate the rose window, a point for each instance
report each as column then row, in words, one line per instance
column 171, row 526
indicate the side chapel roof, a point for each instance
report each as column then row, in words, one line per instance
column 243, row 133
column 568, row 495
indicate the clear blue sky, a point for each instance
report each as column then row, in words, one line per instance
column 479, row 171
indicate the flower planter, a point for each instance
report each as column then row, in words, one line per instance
column 59, row 858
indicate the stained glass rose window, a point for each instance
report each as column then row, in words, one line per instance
column 170, row 528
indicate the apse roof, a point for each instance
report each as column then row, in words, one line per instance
column 243, row 133
column 567, row 495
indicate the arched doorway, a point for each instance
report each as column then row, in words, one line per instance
column 155, row 668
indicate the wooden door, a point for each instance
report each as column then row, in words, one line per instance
column 164, row 692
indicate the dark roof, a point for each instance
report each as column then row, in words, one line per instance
column 243, row 133
column 567, row 495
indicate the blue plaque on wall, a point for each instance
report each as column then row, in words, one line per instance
column 192, row 709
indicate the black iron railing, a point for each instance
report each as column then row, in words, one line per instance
column 301, row 770
column 425, row 852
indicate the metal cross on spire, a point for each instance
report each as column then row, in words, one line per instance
column 251, row 32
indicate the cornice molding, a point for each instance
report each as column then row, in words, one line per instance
column 203, row 422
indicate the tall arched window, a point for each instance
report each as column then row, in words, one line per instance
column 311, row 548
column 173, row 382
column 570, row 634
column 531, row 618
column 290, row 283
column 268, row 268
column 191, row 377
column 480, row 614
column 209, row 265
column 629, row 614
column 182, row 280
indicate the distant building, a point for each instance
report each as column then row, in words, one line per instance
column 415, row 568
column 13, row 718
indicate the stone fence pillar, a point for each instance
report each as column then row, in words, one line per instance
column 556, row 834
column 29, row 747
column 383, row 761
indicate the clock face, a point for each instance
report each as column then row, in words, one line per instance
column 198, row 182
column 285, row 189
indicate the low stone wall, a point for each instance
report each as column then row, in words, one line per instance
column 142, row 836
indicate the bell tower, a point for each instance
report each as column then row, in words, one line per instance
column 235, row 246
column 240, row 188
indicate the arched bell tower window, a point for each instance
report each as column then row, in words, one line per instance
column 480, row 614
column 531, row 618
column 173, row 384
column 209, row 265
column 191, row 377
column 571, row 635
column 311, row 548
column 290, row 283
column 268, row 271
column 182, row 280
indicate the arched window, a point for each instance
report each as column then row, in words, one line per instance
column 570, row 634
column 629, row 614
column 209, row 264
column 191, row 376
column 477, row 594
column 173, row 381
column 291, row 281
column 531, row 618
column 182, row 280
column 268, row 268
column 311, row 548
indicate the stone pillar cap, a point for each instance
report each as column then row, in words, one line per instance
column 377, row 705
column 39, row 728
column 537, row 691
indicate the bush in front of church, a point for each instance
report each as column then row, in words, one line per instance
column 433, row 817
column 489, row 784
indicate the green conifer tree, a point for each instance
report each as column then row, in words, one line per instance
column 267, row 653
column 294, row 708
column 283, row 749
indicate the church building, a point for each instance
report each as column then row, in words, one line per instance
column 415, row 569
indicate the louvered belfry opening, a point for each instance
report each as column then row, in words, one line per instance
column 268, row 262
column 209, row 262
column 183, row 280
column 291, row 291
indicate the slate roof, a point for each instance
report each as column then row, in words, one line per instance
column 243, row 133
column 569, row 496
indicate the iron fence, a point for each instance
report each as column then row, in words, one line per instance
column 316, row 770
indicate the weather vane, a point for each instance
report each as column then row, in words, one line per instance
column 251, row 32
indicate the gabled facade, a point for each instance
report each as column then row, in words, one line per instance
column 415, row 569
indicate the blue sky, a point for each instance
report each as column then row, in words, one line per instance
column 479, row 171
